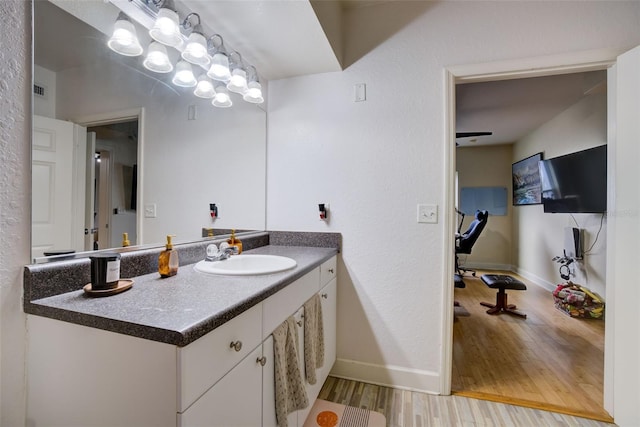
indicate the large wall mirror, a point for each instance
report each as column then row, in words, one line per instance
column 118, row 149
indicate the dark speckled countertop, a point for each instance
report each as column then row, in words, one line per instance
column 180, row 309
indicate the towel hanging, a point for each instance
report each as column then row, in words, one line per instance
column 290, row 391
column 313, row 338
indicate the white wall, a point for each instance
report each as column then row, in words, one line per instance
column 375, row 160
column 488, row 166
column 186, row 164
column 15, row 202
column 539, row 235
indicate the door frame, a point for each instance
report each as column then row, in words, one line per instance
column 120, row 116
column 575, row 62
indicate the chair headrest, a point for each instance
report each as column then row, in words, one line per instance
column 481, row 215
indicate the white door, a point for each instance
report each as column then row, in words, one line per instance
column 622, row 345
column 54, row 189
column 90, row 191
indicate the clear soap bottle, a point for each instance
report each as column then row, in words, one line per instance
column 168, row 260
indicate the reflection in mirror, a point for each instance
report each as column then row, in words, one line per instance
column 165, row 155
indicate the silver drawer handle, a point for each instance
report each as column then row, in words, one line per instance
column 325, row 296
column 330, row 270
column 262, row 360
column 236, row 345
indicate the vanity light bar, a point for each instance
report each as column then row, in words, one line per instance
column 145, row 13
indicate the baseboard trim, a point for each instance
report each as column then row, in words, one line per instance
column 536, row 280
column 388, row 376
column 487, row 266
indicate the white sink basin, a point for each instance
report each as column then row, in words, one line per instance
column 247, row 265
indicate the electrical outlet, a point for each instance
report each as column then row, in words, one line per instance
column 428, row 214
column 150, row 210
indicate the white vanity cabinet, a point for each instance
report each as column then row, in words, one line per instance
column 85, row 376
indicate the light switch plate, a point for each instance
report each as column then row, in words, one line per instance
column 150, row 210
column 428, row 214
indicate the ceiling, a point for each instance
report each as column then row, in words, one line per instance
column 284, row 38
column 513, row 108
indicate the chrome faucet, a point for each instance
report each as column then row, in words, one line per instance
column 213, row 254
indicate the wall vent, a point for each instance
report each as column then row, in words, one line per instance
column 38, row 90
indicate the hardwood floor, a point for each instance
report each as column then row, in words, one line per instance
column 548, row 360
column 403, row 408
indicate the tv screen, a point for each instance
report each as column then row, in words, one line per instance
column 575, row 183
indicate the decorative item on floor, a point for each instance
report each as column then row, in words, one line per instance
column 330, row 414
column 578, row 301
column 502, row 282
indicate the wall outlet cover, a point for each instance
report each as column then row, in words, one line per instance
column 428, row 214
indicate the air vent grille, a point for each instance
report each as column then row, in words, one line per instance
column 38, row 90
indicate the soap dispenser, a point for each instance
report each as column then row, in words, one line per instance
column 168, row 260
column 235, row 243
column 125, row 240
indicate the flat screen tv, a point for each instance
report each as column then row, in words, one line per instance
column 576, row 182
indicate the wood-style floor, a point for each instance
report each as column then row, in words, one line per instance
column 548, row 360
column 404, row 408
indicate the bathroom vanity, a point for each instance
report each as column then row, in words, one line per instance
column 190, row 350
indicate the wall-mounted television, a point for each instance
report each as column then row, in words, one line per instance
column 576, row 182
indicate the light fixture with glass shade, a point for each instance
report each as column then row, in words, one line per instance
column 222, row 98
column 195, row 51
column 238, row 81
column 204, row 88
column 219, row 69
column 157, row 59
column 218, row 72
column 166, row 28
column 253, row 93
column 184, row 75
column 124, row 39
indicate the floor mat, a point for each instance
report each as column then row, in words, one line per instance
column 329, row 414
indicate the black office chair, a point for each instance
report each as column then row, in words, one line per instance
column 466, row 240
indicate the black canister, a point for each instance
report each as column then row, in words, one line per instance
column 105, row 271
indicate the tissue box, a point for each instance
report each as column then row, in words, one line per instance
column 578, row 301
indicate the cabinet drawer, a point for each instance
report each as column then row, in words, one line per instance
column 286, row 301
column 328, row 271
column 203, row 362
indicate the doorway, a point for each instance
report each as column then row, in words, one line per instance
column 483, row 73
column 114, row 183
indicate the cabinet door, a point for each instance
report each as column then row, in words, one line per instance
column 236, row 400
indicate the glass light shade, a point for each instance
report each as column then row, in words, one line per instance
column 166, row 29
column 184, row 75
column 196, row 49
column 205, row 88
column 219, row 67
column 254, row 93
column 157, row 59
column 222, row 98
column 124, row 39
column 238, row 81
